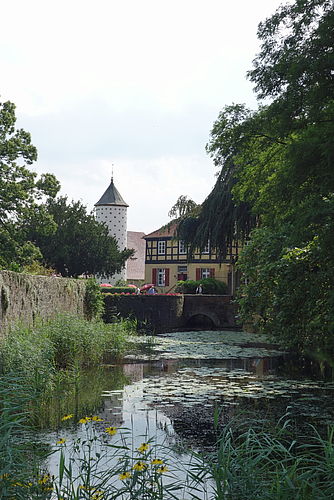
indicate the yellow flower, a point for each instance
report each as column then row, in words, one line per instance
column 44, row 479
column 157, row 461
column 139, row 466
column 111, row 430
column 125, row 475
column 61, row 441
column 163, row 469
column 67, row 417
column 98, row 495
column 97, row 419
column 143, row 447
column 83, row 420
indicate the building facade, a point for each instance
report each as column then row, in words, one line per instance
column 111, row 209
column 167, row 261
column 136, row 264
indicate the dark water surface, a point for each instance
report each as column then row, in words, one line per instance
column 171, row 385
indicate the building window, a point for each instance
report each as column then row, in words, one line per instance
column 205, row 273
column 182, row 269
column 161, row 277
column 182, row 273
column 182, row 248
column 161, row 247
column 206, row 249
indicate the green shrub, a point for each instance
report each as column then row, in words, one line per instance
column 94, row 304
column 210, row 286
column 118, row 289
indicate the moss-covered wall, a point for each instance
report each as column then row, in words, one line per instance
column 24, row 298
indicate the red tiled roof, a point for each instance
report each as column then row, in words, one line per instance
column 168, row 230
column 136, row 264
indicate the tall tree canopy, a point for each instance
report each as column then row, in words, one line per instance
column 276, row 181
column 80, row 244
column 20, row 193
column 182, row 207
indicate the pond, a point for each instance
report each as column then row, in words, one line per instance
column 170, row 387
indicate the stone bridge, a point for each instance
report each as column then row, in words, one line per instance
column 167, row 312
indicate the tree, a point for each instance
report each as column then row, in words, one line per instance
column 183, row 206
column 20, row 193
column 276, row 181
column 222, row 219
column 80, row 244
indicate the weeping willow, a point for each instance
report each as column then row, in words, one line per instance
column 222, row 220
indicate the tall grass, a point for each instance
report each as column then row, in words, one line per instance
column 265, row 465
column 21, row 457
column 50, row 357
column 64, row 342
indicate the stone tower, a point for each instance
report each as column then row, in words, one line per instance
column 112, row 210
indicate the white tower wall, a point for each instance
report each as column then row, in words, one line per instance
column 112, row 211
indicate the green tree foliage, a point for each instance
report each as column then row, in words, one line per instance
column 222, row 220
column 182, row 207
column 20, row 193
column 276, row 181
column 80, row 244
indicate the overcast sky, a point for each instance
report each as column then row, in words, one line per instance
column 137, row 84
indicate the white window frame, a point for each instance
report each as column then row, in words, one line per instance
column 161, row 247
column 205, row 273
column 161, row 276
column 206, row 249
column 182, row 248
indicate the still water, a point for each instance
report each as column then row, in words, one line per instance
column 169, row 387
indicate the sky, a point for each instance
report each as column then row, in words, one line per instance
column 130, row 86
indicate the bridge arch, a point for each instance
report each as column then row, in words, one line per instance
column 203, row 319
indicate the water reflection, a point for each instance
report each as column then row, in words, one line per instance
column 173, row 391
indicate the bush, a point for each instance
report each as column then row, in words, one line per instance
column 210, row 286
column 118, row 289
column 94, row 304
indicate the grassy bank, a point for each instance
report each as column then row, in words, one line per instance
column 55, row 360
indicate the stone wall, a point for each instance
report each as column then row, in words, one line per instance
column 25, row 298
column 157, row 312
column 162, row 313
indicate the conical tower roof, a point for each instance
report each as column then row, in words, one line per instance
column 111, row 197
